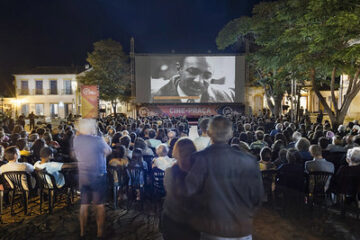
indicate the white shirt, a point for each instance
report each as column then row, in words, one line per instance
column 164, row 162
column 152, row 142
column 52, row 168
column 16, row 166
column 202, row 142
column 182, row 94
column 19, row 167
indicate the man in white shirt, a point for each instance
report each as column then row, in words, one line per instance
column 203, row 141
column 163, row 161
column 12, row 154
column 52, row 168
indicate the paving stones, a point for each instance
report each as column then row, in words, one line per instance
column 134, row 224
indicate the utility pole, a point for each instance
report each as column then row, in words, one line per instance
column 132, row 75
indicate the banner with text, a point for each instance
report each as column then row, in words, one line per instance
column 89, row 101
column 189, row 110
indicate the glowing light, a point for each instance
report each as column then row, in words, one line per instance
column 74, row 85
column 18, row 102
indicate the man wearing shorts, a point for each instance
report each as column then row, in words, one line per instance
column 91, row 151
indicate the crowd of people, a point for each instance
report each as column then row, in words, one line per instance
column 213, row 183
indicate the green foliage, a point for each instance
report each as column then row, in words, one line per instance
column 294, row 36
column 234, row 31
column 110, row 70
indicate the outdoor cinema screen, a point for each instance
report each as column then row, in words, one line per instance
column 189, row 78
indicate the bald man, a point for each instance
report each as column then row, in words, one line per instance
column 192, row 84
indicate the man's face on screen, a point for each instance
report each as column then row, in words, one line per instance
column 195, row 76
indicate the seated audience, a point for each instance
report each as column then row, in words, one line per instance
column 140, row 144
column 163, row 161
column 152, row 141
column 302, row 145
column 118, row 157
column 259, row 143
column 352, row 170
column 291, row 174
column 318, row 164
column 265, row 159
column 125, row 141
column 336, row 146
column 53, row 168
column 203, row 141
column 12, row 155
column 281, row 159
column 137, row 161
column 21, row 143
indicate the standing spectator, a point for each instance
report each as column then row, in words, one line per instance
column 32, row 120
column 203, row 141
column 91, row 152
column 224, row 185
column 21, row 120
column 319, row 117
column 175, row 215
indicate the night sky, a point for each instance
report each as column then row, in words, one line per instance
column 61, row 32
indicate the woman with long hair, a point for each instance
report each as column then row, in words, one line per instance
column 36, row 147
column 137, row 162
column 174, row 216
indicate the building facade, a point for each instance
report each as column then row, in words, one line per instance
column 48, row 92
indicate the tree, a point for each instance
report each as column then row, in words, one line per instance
column 324, row 37
column 304, row 40
column 266, row 59
column 110, row 71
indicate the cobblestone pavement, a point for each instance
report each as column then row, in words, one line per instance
column 143, row 225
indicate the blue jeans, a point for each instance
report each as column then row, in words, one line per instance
column 205, row 236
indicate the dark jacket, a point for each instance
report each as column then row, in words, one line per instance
column 210, row 95
column 225, row 188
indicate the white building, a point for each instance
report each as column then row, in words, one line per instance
column 47, row 91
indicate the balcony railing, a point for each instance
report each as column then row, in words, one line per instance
column 39, row 91
column 67, row 91
column 23, row 91
column 52, row 91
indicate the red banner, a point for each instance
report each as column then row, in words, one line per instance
column 188, row 110
column 89, row 101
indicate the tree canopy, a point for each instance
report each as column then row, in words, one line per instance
column 303, row 40
column 110, row 70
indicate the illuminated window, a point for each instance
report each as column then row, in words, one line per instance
column 38, row 87
column 24, row 87
column 53, row 87
column 39, row 109
column 67, row 87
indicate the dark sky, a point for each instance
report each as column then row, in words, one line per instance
column 61, row 32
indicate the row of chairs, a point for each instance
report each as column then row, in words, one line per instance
column 152, row 188
column 313, row 189
column 19, row 183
